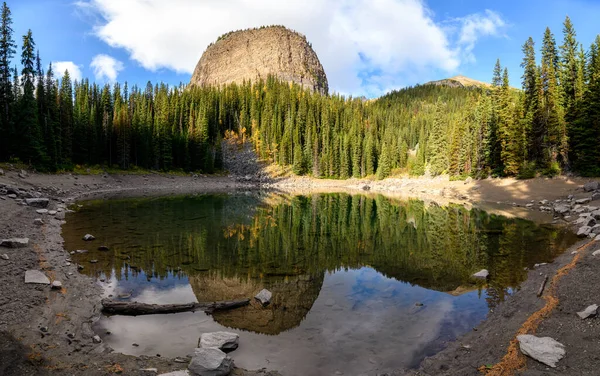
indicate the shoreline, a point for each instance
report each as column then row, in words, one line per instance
column 63, row 318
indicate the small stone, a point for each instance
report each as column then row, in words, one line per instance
column 149, row 370
column 264, row 297
column 96, row 339
column 12, row 195
column 4, row 256
column 103, row 248
column 14, row 243
column 38, row 222
column 583, row 201
column 57, row 285
column 52, row 212
column 419, row 304
column 88, row 237
column 545, row 350
column 596, row 253
column 588, row 312
column 221, row 340
column 210, row 362
column 482, row 274
column 36, row 276
column 93, row 261
column 135, row 345
column 42, row 211
column 37, row 202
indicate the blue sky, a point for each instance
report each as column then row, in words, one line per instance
column 367, row 47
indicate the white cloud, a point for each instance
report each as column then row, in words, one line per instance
column 59, row 68
column 106, row 68
column 365, row 45
column 475, row 26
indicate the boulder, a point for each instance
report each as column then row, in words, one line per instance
column 562, row 209
column 545, row 349
column 36, row 276
column 595, row 214
column 482, row 274
column 591, row 186
column 14, row 243
column 583, row 201
column 88, row 237
column 588, row 312
column 210, row 362
column 222, row 340
column 584, row 231
column 38, row 202
column 264, row 297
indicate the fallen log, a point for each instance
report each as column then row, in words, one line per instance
column 137, row 309
column 542, row 286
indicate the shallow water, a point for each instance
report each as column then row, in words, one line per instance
column 361, row 285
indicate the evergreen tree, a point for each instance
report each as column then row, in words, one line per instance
column 7, row 51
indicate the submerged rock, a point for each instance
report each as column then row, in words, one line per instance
column 545, row 349
column 210, row 362
column 222, row 340
column 482, row 274
column 264, row 297
column 88, row 237
column 36, row 276
column 14, row 243
column 589, row 311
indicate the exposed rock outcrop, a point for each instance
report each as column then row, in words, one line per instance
column 248, row 55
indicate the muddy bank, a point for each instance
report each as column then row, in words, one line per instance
column 53, row 332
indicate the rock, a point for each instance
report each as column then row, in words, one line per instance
column 264, row 297
column 103, row 248
column 1, row 172
column 176, row 373
column 482, row 274
column 57, row 285
column 544, row 202
column 93, row 261
column 591, row 222
column 591, row 186
column 88, row 237
column 584, row 231
column 96, row 339
column 588, row 312
column 222, row 340
column 36, row 276
column 210, row 362
column 4, row 256
column 38, row 221
column 365, row 187
column 595, row 214
column 545, row 208
column 52, row 212
column 248, row 55
column 596, row 196
column 545, row 349
column 583, row 201
column 596, row 253
column 529, row 206
column 468, row 180
column 12, row 195
column 38, row 202
column 562, row 209
column 14, row 243
column 149, row 370
column 42, row 211
column 60, row 215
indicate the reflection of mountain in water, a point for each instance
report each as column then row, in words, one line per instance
column 234, row 245
column 293, row 297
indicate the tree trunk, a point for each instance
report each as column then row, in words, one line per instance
column 138, row 309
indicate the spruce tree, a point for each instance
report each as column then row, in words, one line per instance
column 7, row 51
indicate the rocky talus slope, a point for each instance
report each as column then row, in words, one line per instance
column 253, row 54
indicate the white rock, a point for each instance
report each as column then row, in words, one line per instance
column 88, row 237
column 4, row 256
column 57, row 285
column 38, row 221
column 36, row 276
column 583, row 200
column 596, row 253
column 176, row 373
column 210, row 362
column 264, row 297
column 96, row 339
column 584, row 231
column 482, row 274
column 545, row 349
column 589, row 311
column 221, row 340
column 42, row 211
column 14, row 243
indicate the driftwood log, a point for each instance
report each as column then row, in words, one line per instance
column 137, row 309
column 542, row 286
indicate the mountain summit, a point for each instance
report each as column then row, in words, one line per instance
column 257, row 53
column 459, row 81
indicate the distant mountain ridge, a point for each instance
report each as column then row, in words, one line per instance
column 460, row 81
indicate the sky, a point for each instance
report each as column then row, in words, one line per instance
column 367, row 47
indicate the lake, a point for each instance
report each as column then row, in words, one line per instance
column 361, row 284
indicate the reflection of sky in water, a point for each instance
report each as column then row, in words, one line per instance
column 361, row 322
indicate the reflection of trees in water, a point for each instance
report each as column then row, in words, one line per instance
column 254, row 246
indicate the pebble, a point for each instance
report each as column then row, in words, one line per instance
column 4, row 256
column 96, row 339
column 42, row 211
column 38, row 222
column 56, row 285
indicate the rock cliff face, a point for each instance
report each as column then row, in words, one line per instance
column 257, row 53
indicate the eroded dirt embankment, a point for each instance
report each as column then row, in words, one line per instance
column 49, row 331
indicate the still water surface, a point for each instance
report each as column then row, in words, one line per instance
column 361, row 285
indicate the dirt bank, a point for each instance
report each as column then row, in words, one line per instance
column 49, row 331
